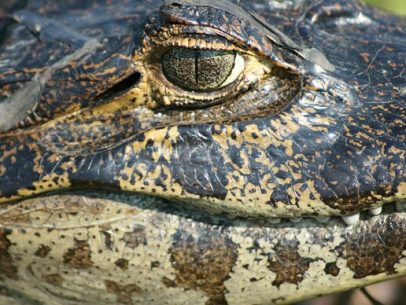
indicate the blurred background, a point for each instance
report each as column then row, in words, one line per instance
column 394, row 6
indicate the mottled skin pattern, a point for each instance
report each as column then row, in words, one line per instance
column 314, row 126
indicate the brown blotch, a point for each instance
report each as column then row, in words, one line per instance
column 108, row 240
column 155, row 264
column 332, row 269
column 78, row 256
column 42, row 251
column 287, row 263
column 365, row 57
column 136, row 237
column 203, row 258
column 122, row 263
column 168, row 282
column 53, row 279
column 375, row 252
column 7, row 268
column 124, row 293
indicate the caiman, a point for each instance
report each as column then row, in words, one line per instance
column 199, row 152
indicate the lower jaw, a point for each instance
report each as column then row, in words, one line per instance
column 107, row 249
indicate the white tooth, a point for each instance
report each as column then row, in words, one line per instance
column 375, row 211
column 295, row 219
column 400, row 206
column 350, row 220
column 274, row 220
column 322, row 219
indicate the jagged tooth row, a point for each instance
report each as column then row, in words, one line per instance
column 349, row 219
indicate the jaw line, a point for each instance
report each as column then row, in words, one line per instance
column 179, row 209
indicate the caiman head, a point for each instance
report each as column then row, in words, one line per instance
column 222, row 110
column 251, row 111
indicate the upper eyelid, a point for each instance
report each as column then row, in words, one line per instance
column 199, row 42
column 172, row 34
column 169, row 35
column 236, row 26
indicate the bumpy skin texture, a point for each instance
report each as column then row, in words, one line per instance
column 137, row 250
column 336, row 146
column 314, row 126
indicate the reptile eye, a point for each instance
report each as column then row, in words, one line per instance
column 208, row 72
column 201, row 70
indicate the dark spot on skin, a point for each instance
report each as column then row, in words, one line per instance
column 107, row 240
column 53, row 279
column 376, row 252
column 42, row 251
column 332, row 269
column 124, row 293
column 155, row 264
column 287, row 263
column 78, row 256
column 122, row 263
column 7, row 268
column 203, row 258
column 278, row 300
column 136, row 237
column 254, row 279
column 168, row 282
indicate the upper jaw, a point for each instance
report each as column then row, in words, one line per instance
column 292, row 164
column 319, row 154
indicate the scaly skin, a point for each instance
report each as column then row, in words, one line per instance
column 303, row 131
column 80, row 250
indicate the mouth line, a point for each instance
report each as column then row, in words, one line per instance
column 168, row 206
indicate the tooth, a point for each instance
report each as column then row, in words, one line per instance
column 375, row 211
column 322, row 219
column 351, row 219
column 274, row 220
column 400, row 206
column 298, row 219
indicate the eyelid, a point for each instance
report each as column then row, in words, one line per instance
column 199, row 42
column 166, row 93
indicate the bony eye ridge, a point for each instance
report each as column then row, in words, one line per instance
column 201, row 70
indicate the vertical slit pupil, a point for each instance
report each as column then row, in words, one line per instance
column 197, row 54
column 197, row 70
